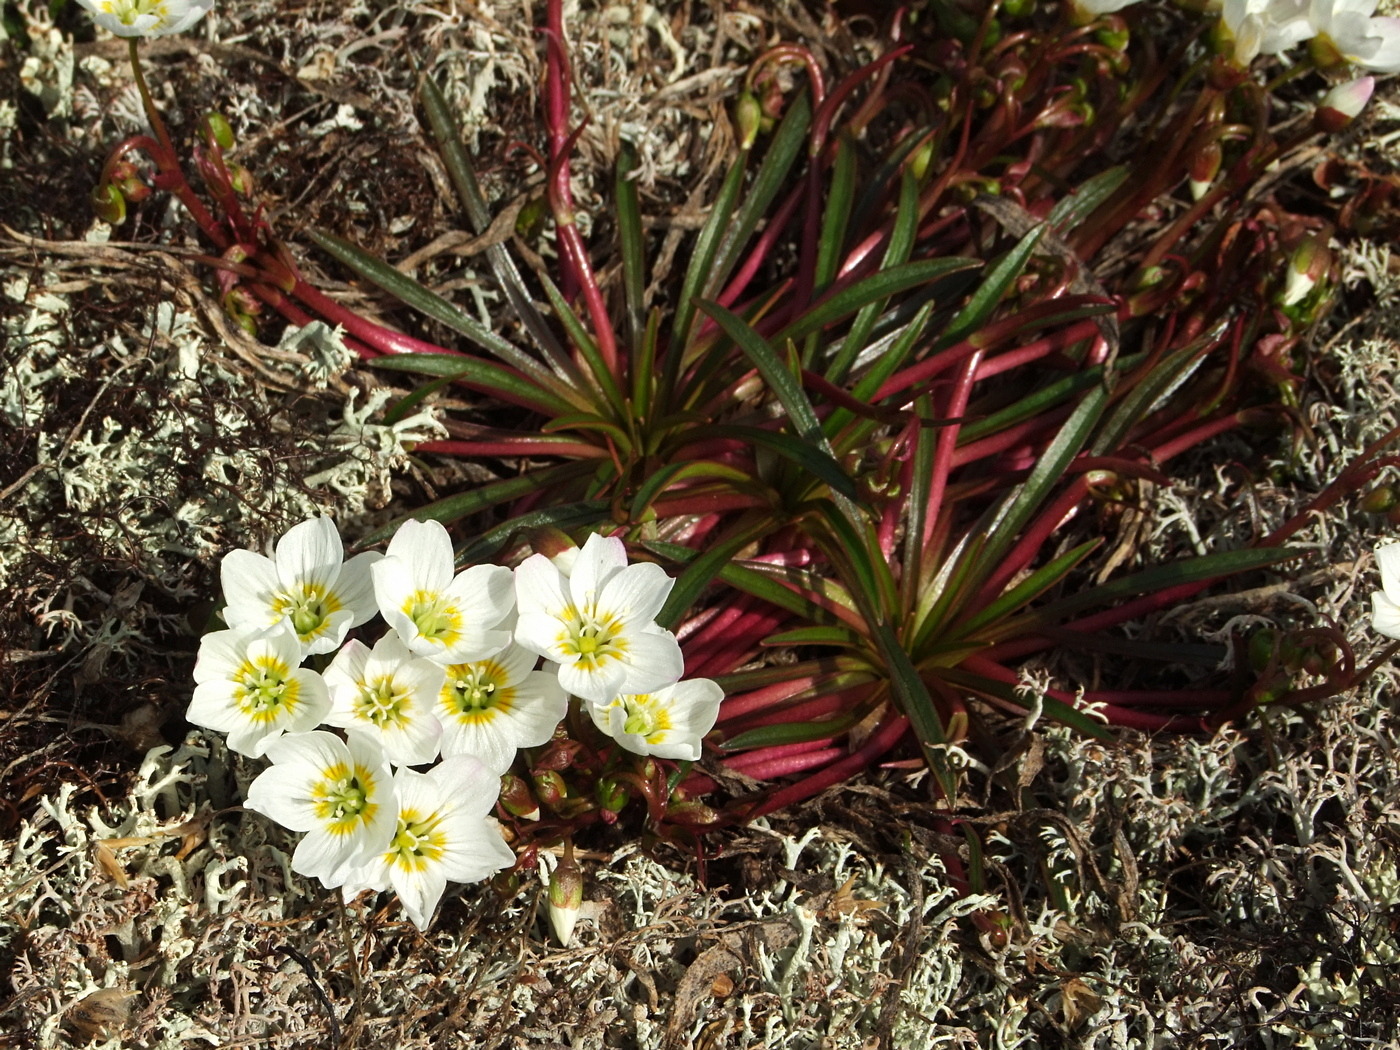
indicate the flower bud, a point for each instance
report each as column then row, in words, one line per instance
column 241, row 179
column 1205, row 165
column 1262, row 647
column 1379, row 500
column 550, row 788
column 1310, row 262
column 612, row 796
column 219, row 130
column 748, row 115
column 557, row 755
column 565, row 897
column 108, row 204
column 692, row 814
column 1343, row 104
column 516, row 798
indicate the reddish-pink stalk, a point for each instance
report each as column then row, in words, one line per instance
column 782, row 767
column 885, row 736
column 1018, row 434
column 757, row 256
column 740, row 705
column 817, row 709
column 764, row 754
column 1033, row 351
column 1032, row 540
column 943, row 455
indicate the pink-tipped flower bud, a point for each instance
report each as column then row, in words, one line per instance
column 1343, row 104
column 1310, row 263
column 565, row 897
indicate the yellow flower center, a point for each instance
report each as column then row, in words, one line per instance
column 419, row 842
column 128, row 11
column 435, row 615
column 476, row 692
column 593, row 637
column 310, row 606
column 645, row 717
column 382, row 701
column 342, row 798
column 264, row 689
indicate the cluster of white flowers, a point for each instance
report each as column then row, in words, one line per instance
column 454, row 677
column 1336, row 31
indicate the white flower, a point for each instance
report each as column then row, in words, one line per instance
column 1345, row 31
column 147, row 17
column 305, row 585
column 597, row 623
column 340, row 795
column 443, row 833
column 387, row 693
column 666, row 723
column 491, row 708
column 1385, row 603
column 1265, row 27
column 249, row 686
column 448, row 619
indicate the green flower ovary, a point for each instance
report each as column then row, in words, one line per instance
column 436, row 616
column 382, row 701
column 419, row 841
column 263, row 688
column 645, row 718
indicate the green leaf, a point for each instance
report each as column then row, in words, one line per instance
column 788, row 390
column 1069, row 211
column 871, row 291
column 462, row 504
column 840, row 195
column 485, row 376
column 429, row 303
column 839, row 636
column 896, row 348
column 796, row 732
column 701, row 572
column 406, row 404
column 906, row 225
column 1138, row 402
column 459, row 169
column 1025, row 592
column 567, row 516
column 701, row 259
column 989, row 293
column 912, row 697
column 1156, row 578
column 813, row 460
column 762, row 581
column 602, row 376
column 631, row 241
column 661, row 480
column 1048, row 472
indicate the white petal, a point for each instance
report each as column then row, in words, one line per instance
column 654, row 660
column 426, row 549
column 1388, row 560
column 310, row 553
column 598, row 561
column 539, row 588
column 250, row 588
column 637, row 593
column 1385, row 616
column 354, row 587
